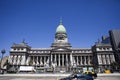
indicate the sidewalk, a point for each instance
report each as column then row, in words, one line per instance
column 35, row 75
column 51, row 75
column 111, row 74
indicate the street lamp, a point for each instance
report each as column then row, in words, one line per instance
column 3, row 52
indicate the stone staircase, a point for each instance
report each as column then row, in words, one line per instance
column 58, row 69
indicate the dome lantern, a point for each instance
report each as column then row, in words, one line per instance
column 60, row 28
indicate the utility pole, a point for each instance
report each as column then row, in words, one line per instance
column 2, row 52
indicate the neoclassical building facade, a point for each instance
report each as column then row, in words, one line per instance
column 61, row 55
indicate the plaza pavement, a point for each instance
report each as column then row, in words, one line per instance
column 53, row 76
column 36, row 75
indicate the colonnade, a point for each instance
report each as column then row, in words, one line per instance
column 40, row 60
column 60, row 59
column 17, row 59
column 105, row 59
column 82, row 60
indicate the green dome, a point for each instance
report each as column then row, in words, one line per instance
column 60, row 29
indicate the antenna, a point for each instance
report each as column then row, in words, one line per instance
column 60, row 20
column 23, row 41
column 98, row 40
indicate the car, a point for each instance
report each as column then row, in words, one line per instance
column 107, row 71
column 91, row 73
column 78, row 76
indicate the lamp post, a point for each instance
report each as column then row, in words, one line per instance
column 3, row 52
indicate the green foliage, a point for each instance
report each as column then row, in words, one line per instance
column 6, row 63
column 115, row 65
column 30, row 62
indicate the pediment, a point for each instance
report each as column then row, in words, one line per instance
column 61, row 49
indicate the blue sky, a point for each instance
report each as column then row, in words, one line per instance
column 36, row 21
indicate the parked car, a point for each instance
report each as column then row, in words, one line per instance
column 78, row 76
column 107, row 71
column 91, row 73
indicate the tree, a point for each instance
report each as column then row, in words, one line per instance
column 115, row 65
column 7, row 64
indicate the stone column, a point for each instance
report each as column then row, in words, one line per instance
column 33, row 61
column 14, row 60
column 59, row 59
column 48, row 61
column 44, row 60
column 81, row 60
column 11, row 59
column 51, row 58
column 40, row 59
column 104, row 60
column 18, row 60
column 62, row 59
column 108, row 59
column 41, row 63
column 37, row 61
column 88, row 60
column 99, row 59
column 112, row 58
column 77, row 60
column 71, row 60
column 66, row 60
column 55, row 59
column 85, row 60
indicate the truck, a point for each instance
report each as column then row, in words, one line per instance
column 26, row 69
